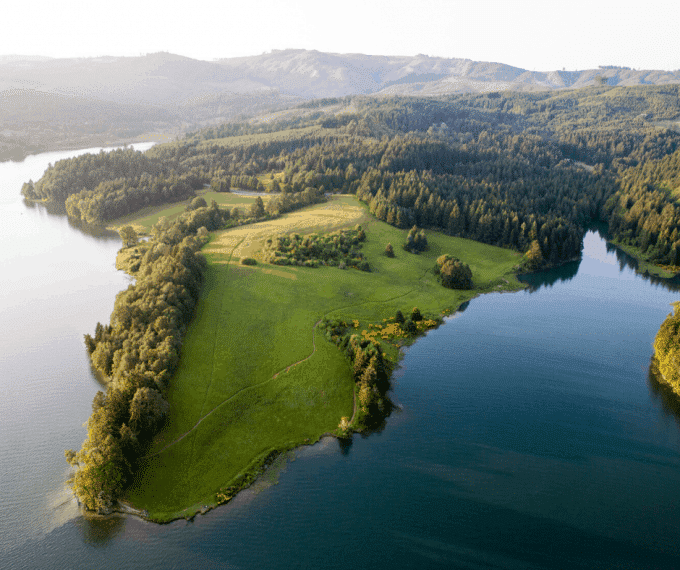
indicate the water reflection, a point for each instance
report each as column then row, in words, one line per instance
column 100, row 530
column 662, row 393
column 563, row 273
column 57, row 210
column 345, row 444
column 627, row 261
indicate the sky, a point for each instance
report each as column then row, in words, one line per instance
column 541, row 35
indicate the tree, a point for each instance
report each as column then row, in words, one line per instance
column 534, row 255
column 389, row 250
column 415, row 314
column 128, row 235
column 257, row 208
column 410, row 327
column 147, row 410
column 456, row 275
column 399, row 317
column 197, row 202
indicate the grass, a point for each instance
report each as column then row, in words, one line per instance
column 233, row 399
column 144, row 219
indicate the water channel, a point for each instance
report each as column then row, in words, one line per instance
column 531, row 434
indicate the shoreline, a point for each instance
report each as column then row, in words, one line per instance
column 261, row 464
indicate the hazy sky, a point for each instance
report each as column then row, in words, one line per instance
column 532, row 34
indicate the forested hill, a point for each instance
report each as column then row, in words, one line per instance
column 49, row 104
column 528, row 171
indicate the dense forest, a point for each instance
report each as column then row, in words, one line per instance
column 529, row 171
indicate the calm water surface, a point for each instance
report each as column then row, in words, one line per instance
column 531, row 435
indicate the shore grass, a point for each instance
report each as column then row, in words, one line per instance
column 643, row 266
column 256, row 376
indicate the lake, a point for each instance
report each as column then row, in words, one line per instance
column 530, row 433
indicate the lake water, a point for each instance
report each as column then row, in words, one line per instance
column 530, row 435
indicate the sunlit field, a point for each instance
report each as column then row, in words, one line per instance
column 256, row 376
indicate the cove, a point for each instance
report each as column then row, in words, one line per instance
column 530, row 435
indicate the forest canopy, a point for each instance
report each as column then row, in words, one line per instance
column 528, row 171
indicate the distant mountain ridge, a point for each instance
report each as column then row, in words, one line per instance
column 168, row 79
column 51, row 103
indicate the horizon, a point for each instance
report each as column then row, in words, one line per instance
column 526, row 34
column 274, row 50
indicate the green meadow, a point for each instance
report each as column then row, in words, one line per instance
column 256, row 376
column 144, row 219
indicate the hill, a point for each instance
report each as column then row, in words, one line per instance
column 50, row 103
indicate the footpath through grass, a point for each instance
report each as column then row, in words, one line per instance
column 232, row 400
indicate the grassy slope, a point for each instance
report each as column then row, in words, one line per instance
column 253, row 322
column 144, row 219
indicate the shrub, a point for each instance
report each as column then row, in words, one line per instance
column 410, row 327
column 415, row 240
column 415, row 314
column 196, row 203
column 454, row 273
column 389, row 250
column 248, row 261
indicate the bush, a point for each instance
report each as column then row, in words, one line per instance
column 415, row 314
column 415, row 240
column 454, row 273
column 410, row 327
column 196, row 203
column 389, row 250
column 248, row 261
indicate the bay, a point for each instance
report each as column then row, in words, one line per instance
column 530, row 433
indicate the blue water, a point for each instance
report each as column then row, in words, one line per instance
column 530, row 436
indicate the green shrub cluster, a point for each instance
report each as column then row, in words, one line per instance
column 415, row 240
column 369, row 368
column 338, row 249
column 453, row 273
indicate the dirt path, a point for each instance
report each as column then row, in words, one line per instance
column 286, row 369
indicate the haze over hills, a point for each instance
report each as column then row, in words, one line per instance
column 57, row 103
column 164, row 78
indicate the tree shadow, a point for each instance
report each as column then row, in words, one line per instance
column 548, row 278
column 627, row 261
column 99, row 530
column 662, row 393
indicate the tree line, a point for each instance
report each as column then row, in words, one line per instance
column 138, row 351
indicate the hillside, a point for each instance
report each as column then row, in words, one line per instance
column 52, row 103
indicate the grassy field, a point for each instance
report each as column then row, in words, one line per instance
column 234, row 398
column 144, row 219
